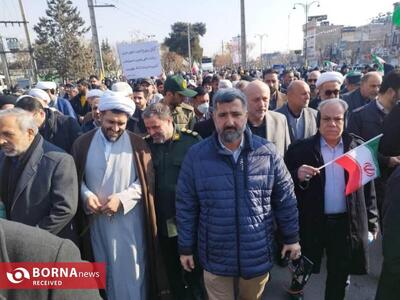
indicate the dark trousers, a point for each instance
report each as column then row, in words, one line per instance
column 337, row 247
column 184, row 285
column 389, row 282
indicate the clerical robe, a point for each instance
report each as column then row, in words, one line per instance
column 157, row 283
column 117, row 240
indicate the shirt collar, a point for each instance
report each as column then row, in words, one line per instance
column 323, row 143
column 381, row 107
column 293, row 115
column 228, row 150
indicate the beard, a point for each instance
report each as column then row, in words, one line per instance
column 312, row 87
column 231, row 134
column 110, row 135
column 11, row 153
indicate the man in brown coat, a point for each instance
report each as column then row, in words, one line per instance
column 116, row 180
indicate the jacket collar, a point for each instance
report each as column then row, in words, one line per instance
column 29, row 169
column 346, row 138
column 248, row 141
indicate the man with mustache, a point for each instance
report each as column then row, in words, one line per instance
column 277, row 99
column 330, row 221
column 231, row 187
column 267, row 124
column 312, row 80
column 368, row 90
column 116, row 182
column 168, row 147
column 38, row 183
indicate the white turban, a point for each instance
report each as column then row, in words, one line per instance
column 38, row 93
column 122, row 87
column 330, row 76
column 94, row 93
column 46, row 85
column 114, row 100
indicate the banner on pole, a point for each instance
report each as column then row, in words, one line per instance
column 140, row 60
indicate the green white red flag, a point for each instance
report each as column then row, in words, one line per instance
column 361, row 164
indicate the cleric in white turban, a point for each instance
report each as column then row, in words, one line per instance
column 115, row 100
column 114, row 190
column 330, row 76
column 328, row 86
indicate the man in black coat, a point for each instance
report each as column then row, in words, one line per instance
column 328, row 219
column 38, row 181
column 21, row 243
column 205, row 128
column 367, row 122
column 368, row 90
column 390, row 142
column 55, row 128
column 389, row 287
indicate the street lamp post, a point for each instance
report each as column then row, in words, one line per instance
column 189, row 48
column 306, row 6
column 261, row 36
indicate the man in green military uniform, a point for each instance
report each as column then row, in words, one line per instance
column 175, row 91
column 168, row 147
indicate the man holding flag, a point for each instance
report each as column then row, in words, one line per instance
column 336, row 211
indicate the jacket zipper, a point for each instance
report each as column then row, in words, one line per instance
column 235, row 165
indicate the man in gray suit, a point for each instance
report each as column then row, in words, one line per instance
column 262, row 122
column 38, row 181
column 302, row 120
column 21, row 243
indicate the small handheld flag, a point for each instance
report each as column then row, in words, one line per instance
column 361, row 164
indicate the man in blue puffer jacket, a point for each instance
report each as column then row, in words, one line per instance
column 230, row 187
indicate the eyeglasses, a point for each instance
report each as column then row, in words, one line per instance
column 328, row 93
column 312, row 80
column 336, row 120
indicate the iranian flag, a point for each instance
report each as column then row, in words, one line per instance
column 361, row 164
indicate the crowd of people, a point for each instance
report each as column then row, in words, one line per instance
column 193, row 187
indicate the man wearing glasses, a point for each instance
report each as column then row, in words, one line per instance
column 329, row 220
column 328, row 86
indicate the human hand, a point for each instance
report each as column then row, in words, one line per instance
column 187, row 262
column 394, row 161
column 305, row 172
column 111, row 206
column 93, row 204
column 293, row 249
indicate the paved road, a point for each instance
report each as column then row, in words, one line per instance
column 361, row 288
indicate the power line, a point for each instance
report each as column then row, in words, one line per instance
column 153, row 16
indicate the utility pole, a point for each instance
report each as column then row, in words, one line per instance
column 28, row 40
column 243, row 34
column 189, row 48
column 95, row 36
column 4, row 62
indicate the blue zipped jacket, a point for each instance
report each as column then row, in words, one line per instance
column 225, row 209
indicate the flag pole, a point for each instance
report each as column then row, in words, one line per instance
column 332, row 161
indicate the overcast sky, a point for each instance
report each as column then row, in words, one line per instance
column 276, row 18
